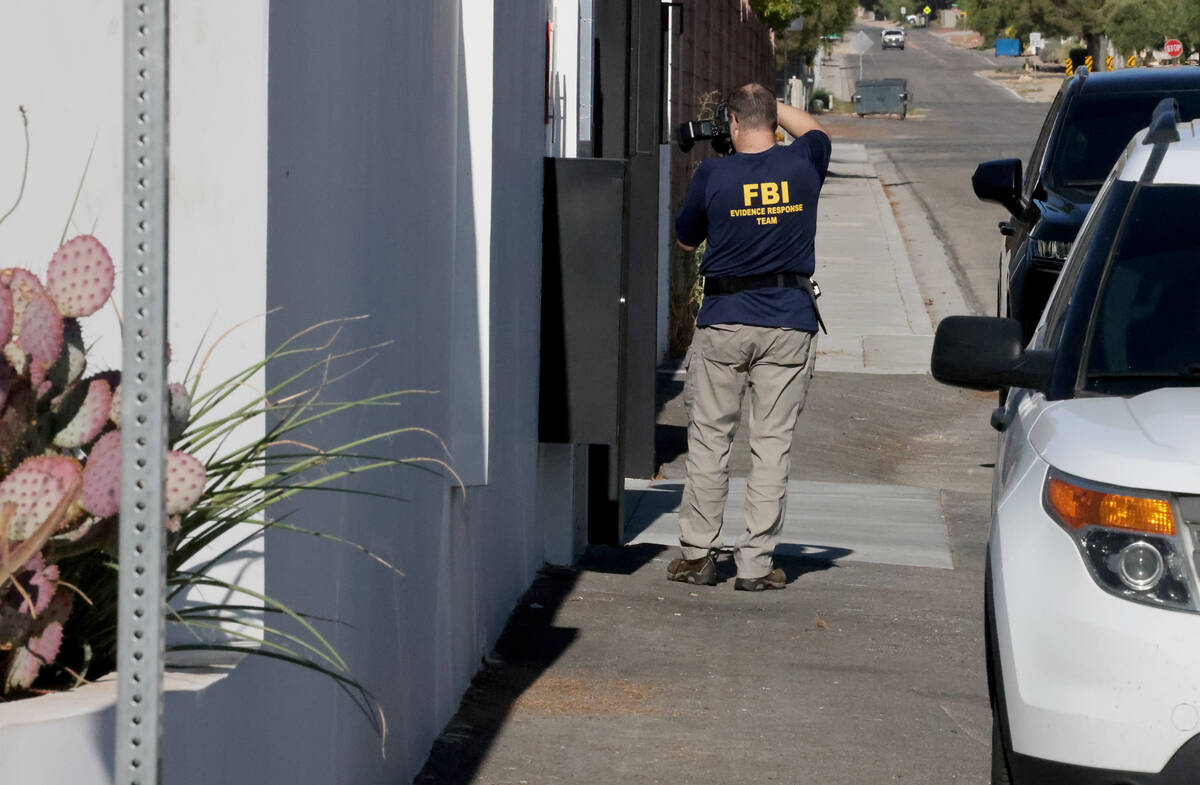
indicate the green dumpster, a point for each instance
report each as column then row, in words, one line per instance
column 881, row 96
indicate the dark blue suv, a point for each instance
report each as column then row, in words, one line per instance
column 1088, row 125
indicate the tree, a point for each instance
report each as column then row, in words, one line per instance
column 821, row 18
column 1134, row 25
column 1082, row 19
column 777, row 14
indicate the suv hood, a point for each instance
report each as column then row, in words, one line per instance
column 1150, row 441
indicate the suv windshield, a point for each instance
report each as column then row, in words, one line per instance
column 1097, row 131
column 1146, row 328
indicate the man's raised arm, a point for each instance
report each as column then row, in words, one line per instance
column 797, row 122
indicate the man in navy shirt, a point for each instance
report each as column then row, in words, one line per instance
column 756, row 329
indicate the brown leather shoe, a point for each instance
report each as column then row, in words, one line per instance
column 702, row 571
column 775, row 579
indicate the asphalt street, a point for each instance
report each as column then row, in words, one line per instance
column 961, row 120
column 869, row 666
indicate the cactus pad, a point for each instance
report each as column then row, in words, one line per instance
column 114, row 412
column 80, row 276
column 72, row 360
column 17, row 359
column 23, row 286
column 6, row 314
column 90, row 419
column 185, row 481
column 179, row 409
column 41, row 581
column 63, row 468
column 41, row 333
column 34, row 493
column 46, row 645
column 28, row 660
column 101, row 495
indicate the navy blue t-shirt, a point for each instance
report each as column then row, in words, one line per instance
column 758, row 211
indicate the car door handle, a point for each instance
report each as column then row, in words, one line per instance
column 1007, row 229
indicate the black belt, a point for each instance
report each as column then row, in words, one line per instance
column 742, row 283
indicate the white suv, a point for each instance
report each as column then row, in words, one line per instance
column 893, row 38
column 1093, row 575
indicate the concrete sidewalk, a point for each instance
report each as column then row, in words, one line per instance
column 876, row 317
column 868, row 668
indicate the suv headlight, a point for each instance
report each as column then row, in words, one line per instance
column 1133, row 542
column 1055, row 250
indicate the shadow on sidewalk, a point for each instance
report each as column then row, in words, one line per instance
column 529, row 645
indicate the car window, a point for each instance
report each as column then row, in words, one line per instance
column 1039, row 147
column 1064, row 288
column 1102, row 212
column 1096, row 129
column 1146, row 326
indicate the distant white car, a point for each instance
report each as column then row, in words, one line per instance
column 893, row 38
column 1092, row 593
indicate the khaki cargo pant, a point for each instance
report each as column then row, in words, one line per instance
column 776, row 365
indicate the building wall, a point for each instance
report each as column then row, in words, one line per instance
column 333, row 159
column 404, row 183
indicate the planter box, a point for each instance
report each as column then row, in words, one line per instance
column 68, row 738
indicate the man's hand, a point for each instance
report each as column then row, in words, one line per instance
column 797, row 122
column 688, row 248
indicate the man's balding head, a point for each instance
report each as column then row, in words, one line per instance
column 754, row 106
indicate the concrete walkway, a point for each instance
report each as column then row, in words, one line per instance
column 876, row 317
column 881, row 524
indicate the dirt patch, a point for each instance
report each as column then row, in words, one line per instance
column 589, row 697
column 1031, row 85
column 963, row 39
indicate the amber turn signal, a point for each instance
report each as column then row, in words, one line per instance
column 1077, row 507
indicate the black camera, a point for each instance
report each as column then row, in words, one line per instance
column 716, row 129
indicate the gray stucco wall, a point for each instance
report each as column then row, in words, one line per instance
column 373, row 199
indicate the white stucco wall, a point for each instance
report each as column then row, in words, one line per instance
column 383, row 158
column 64, row 64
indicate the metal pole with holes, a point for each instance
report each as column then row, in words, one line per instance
column 144, row 400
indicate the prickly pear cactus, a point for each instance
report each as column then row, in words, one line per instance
column 80, row 277
column 34, row 491
column 72, row 361
column 23, row 287
column 41, row 334
column 101, row 493
column 89, row 419
column 60, row 451
column 7, row 315
column 185, row 481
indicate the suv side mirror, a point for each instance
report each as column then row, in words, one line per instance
column 987, row 353
column 999, row 181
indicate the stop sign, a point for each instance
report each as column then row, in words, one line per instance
column 1174, row 48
